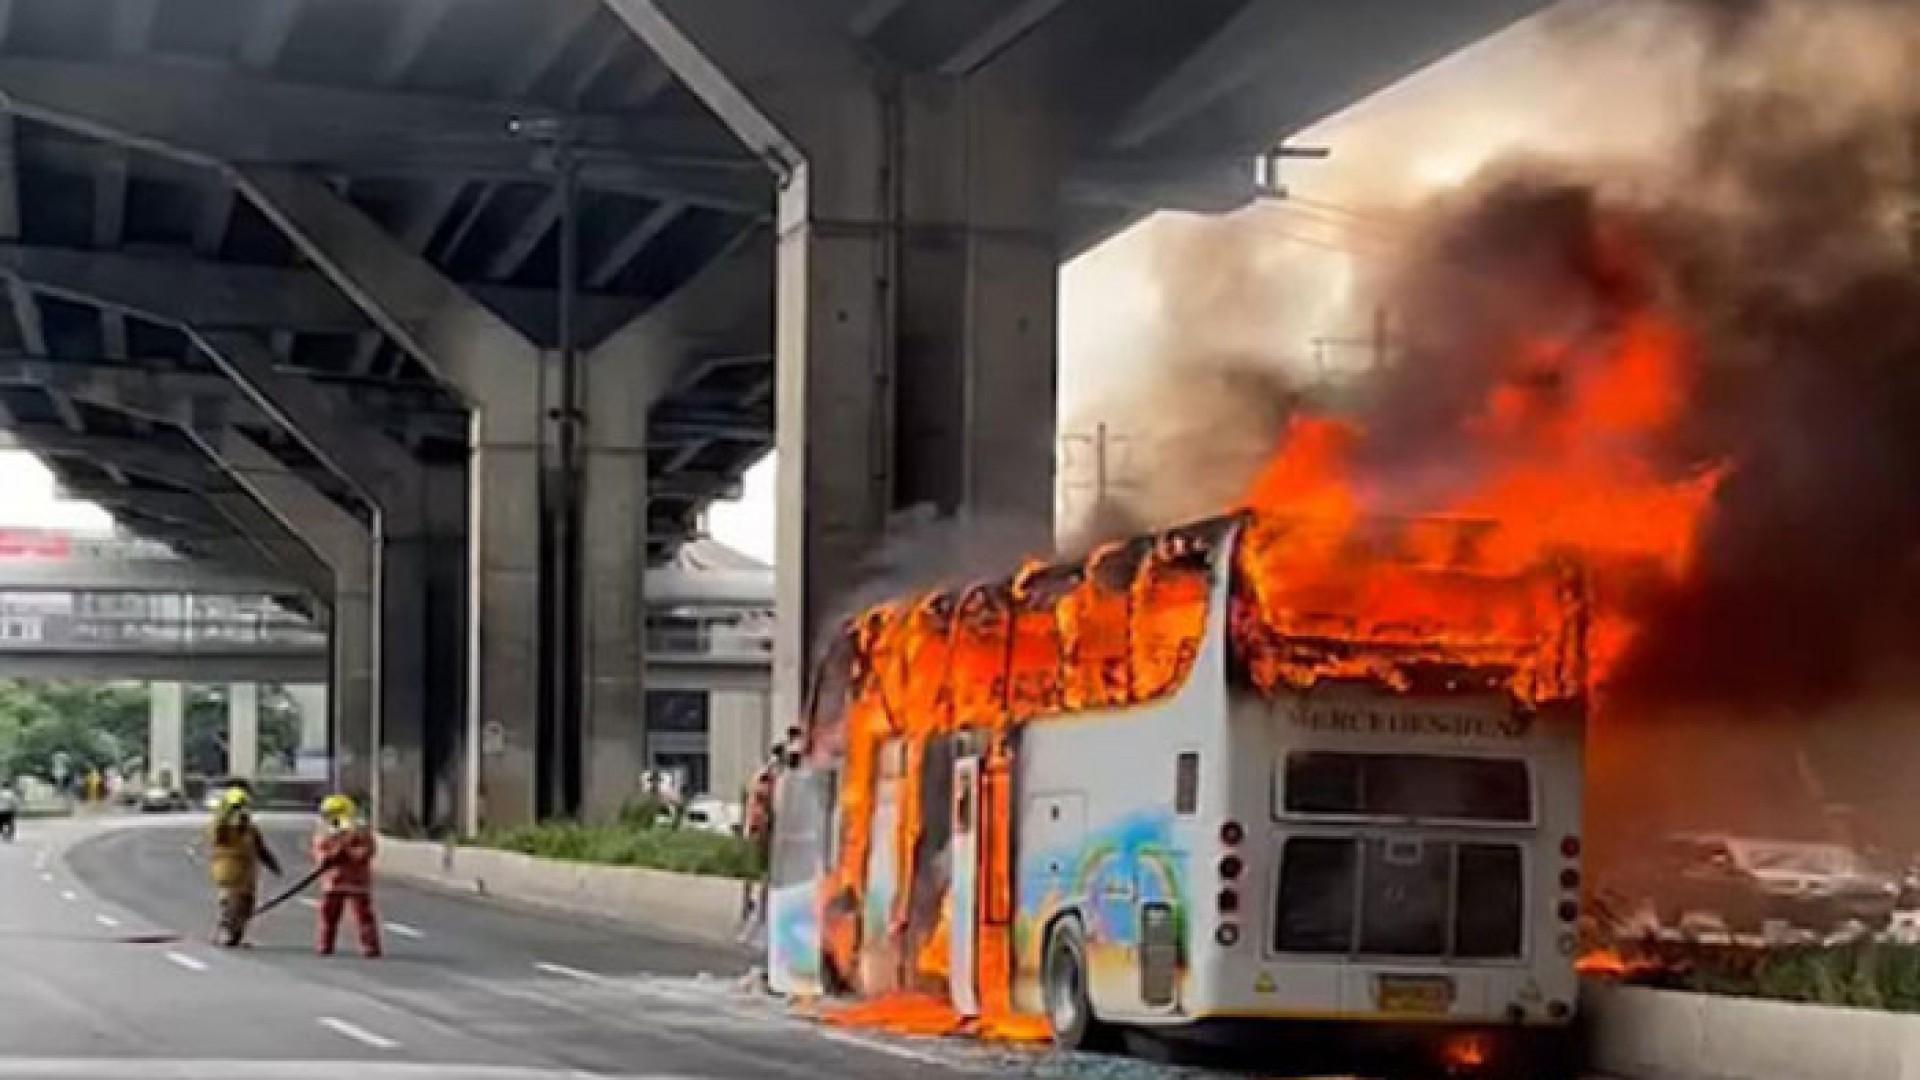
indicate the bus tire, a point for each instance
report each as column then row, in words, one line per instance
column 1064, row 989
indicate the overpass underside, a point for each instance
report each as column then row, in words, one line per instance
column 455, row 314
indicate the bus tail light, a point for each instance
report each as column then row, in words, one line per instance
column 1228, row 901
column 1570, row 847
column 1231, row 833
column 1569, row 879
column 1230, row 867
column 1226, row 935
column 1569, row 911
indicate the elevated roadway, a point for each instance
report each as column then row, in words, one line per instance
column 284, row 284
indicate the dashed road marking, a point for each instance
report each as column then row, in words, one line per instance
column 46, row 877
column 308, row 901
column 403, row 930
column 357, row 1033
column 107, row 921
column 566, row 972
column 180, row 959
column 69, row 895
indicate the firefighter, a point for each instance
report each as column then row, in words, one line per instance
column 343, row 848
column 238, row 851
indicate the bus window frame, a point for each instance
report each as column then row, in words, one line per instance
column 1277, row 807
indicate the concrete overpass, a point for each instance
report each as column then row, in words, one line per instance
column 456, row 313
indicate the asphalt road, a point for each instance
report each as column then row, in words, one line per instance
column 104, row 958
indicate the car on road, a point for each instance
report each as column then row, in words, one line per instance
column 710, row 814
column 159, row 799
column 217, row 790
column 1747, row 882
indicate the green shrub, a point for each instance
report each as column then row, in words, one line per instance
column 1864, row 975
column 631, row 844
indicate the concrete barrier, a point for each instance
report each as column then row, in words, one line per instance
column 1645, row 1034
column 682, row 905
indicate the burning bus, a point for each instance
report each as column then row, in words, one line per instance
column 1248, row 770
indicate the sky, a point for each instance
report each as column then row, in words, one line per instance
column 28, row 498
column 1517, row 89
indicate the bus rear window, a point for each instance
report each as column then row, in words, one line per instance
column 1402, row 786
column 1400, row 897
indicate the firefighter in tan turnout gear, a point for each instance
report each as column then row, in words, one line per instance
column 237, row 851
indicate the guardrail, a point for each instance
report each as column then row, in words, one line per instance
column 95, row 631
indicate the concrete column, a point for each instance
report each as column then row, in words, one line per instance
column 166, row 733
column 914, row 285
column 243, row 730
column 497, row 371
column 399, row 780
column 738, row 738
column 349, row 551
column 311, row 701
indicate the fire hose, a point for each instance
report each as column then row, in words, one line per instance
column 295, row 889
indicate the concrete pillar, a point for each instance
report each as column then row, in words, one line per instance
column 349, row 551
column 509, row 740
column 243, row 730
column 915, row 285
column 738, row 738
column 166, row 733
column 315, row 749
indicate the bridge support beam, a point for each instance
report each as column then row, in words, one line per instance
column 915, row 287
column 555, row 713
column 347, row 548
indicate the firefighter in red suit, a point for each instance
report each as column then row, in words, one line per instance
column 344, row 845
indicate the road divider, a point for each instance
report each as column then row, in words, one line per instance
column 690, row 906
column 1638, row 1033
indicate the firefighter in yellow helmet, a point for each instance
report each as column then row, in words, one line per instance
column 343, row 849
column 238, row 851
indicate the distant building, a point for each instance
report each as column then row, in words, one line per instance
column 716, row 603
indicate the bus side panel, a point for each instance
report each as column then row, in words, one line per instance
column 1118, row 846
column 799, row 860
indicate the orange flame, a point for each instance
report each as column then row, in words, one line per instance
column 1563, row 473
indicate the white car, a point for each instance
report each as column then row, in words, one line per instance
column 160, row 800
column 710, row 814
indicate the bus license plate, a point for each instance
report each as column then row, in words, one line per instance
column 1415, row 995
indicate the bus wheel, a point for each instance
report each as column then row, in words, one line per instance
column 1069, row 1013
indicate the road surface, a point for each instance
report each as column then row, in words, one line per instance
column 103, row 957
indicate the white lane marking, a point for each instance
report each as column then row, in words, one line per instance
column 357, row 1033
column 181, row 959
column 403, row 930
column 46, row 877
column 566, row 972
column 107, row 921
column 309, row 901
column 879, row 1046
column 69, row 895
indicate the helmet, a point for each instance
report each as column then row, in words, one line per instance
column 336, row 808
column 236, row 798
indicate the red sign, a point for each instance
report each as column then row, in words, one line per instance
column 34, row 544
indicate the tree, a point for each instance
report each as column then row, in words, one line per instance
column 96, row 725
column 207, row 732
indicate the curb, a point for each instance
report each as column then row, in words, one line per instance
column 704, row 909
